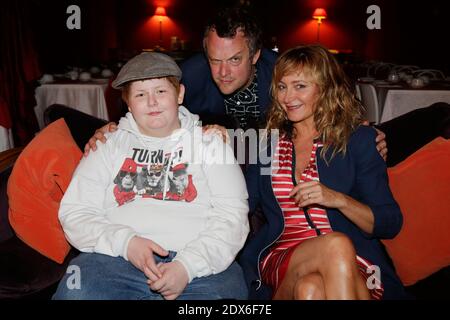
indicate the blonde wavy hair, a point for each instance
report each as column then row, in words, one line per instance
column 337, row 114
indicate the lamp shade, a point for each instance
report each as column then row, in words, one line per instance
column 160, row 11
column 320, row 14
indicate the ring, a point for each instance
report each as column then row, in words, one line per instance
column 309, row 195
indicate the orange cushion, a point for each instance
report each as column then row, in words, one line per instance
column 36, row 186
column 421, row 186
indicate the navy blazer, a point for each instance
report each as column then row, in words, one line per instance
column 361, row 174
column 202, row 95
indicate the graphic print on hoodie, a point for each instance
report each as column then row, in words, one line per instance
column 153, row 174
column 154, row 170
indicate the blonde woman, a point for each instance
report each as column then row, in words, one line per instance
column 326, row 200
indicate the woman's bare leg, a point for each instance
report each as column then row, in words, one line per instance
column 333, row 258
column 309, row 287
column 362, row 291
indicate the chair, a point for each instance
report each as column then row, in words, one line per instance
column 382, row 70
column 405, row 72
column 432, row 74
column 369, row 100
column 358, row 92
column 404, row 68
column 372, row 66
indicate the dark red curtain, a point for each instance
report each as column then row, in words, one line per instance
column 19, row 70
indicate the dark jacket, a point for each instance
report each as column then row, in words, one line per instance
column 202, row 95
column 361, row 174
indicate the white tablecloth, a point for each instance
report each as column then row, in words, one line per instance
column 87, row 97
column 6, row 139
column 401, row 101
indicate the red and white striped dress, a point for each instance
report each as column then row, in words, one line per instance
column 298, row 225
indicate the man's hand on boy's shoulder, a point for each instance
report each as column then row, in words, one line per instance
column 217, row 129
column 381, row 144
column 380, row 140
column 99, row 135
column 111, row 127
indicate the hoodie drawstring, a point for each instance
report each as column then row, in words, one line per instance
column 166, row 178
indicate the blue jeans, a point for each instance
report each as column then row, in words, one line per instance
column 93, row 276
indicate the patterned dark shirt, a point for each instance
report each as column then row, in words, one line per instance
column 244, row 105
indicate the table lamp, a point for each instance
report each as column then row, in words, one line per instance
column 319, row 14
column 160, row 12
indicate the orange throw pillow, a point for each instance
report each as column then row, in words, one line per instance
column 36, row 186
column 421, row 186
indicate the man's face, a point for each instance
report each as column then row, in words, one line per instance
column 230, row 61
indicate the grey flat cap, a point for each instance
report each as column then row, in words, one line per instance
column 147, row 65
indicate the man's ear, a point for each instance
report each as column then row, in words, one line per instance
column 256, row 56
column 181, row 94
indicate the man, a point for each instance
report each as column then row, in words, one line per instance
column 237, row 70
column 232, row 77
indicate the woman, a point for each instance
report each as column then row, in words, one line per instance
column 326, row 199
column 159, row 211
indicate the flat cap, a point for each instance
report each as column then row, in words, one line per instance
column 147, row 65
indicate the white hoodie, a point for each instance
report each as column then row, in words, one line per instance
column 185, row 192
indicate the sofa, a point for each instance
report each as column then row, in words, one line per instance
column 27, row 274
column 406, row 137
column 24, row 272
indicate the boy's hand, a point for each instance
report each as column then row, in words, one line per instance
column 140, row 253
column 99, row 135
column 173, row 281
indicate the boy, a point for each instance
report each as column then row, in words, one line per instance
column 155, row 247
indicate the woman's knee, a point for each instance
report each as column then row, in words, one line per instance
column 340, row 252
column 309, row 287
column 338, row 243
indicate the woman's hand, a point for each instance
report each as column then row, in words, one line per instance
column 219, row 130
column 140, row 253
column 99, row 135
column 173, row 281
column 313, row 192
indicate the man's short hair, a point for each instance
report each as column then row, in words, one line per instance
column 228, row 21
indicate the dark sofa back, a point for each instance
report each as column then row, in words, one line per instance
column 82, row 125
column 408, row 133
column 5, row 229
column 7, row 159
